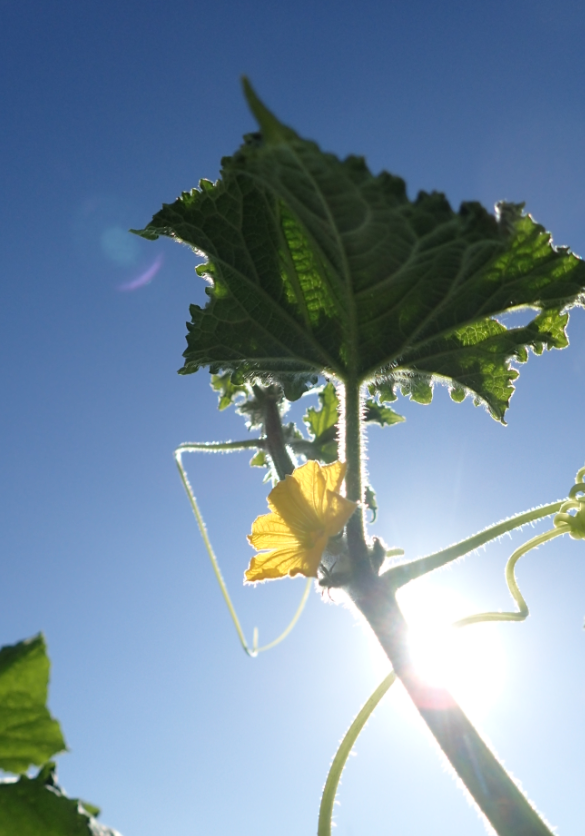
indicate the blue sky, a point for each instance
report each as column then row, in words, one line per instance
column 109, row 109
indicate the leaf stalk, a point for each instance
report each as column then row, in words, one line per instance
column 351, row 431
column 403, row 573
column 275, row 441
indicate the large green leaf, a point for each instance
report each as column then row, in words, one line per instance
column 317, row 265
column 28, row 733
column 38, row 807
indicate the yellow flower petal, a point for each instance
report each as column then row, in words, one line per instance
column 286, row 561
column 312, row 486
column 339, row 510
column 271, row 532
column 290, row 502
column 306, row 510
column 334, row 475
column 273, row 565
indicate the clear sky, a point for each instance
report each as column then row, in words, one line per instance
column 109, row 109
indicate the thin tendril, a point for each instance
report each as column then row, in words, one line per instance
column 219, row 446
column 227, row 447
column 523, row 611
column 342, row 754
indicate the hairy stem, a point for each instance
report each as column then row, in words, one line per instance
column 352, row 433
column 501, row 801
column 340, row 759
column 406, row 572
column 275, row 443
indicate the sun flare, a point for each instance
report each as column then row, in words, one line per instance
column 468, row 661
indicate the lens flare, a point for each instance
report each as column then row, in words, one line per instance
column 144, row 278
column 469, row 661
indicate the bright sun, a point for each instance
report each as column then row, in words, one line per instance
column 468, row 661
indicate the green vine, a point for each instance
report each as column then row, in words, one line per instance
column 318, row 268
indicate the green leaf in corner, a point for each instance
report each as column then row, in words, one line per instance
column 38, row 807
column 316, row 265
column 28, row 733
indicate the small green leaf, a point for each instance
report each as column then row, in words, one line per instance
column 294, row 385
column 418, row 389
column 370, row 500
column 323, row 419
column 384, row 391
column 260, row 459
column 316, row 265
column 248, row 400
column 322, row 426
column 28, row 733
column 228, row 391
column 38, row 807
column 382, row 415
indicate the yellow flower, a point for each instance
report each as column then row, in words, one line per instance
column 306, row 510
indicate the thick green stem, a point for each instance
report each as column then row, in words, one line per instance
column 352, row 432
column 275, row 443
column 339, row 761
column 501, row 801
column 406, row 572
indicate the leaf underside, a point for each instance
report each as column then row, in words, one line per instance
column 316, row 265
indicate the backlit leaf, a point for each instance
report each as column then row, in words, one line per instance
column 317, row 265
